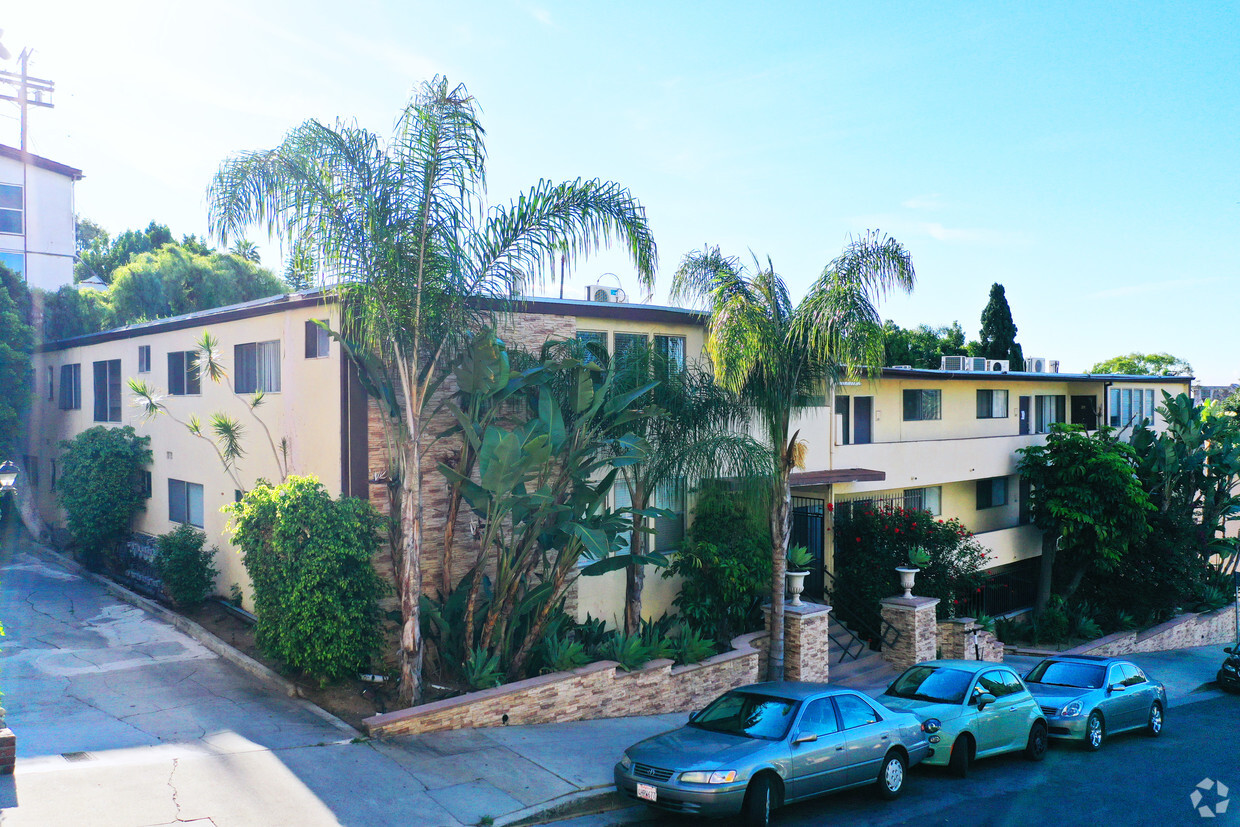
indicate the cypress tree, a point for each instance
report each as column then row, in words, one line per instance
column 998, row 336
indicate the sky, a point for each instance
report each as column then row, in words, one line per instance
column 1085, row 155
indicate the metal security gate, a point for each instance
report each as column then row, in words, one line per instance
column 809, row 530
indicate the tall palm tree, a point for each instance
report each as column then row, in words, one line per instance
column 402, row 229
column 776, row 355
column 699, row 432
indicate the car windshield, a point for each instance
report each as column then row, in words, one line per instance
column 747, row 714
column 933, row 684
column 1067, row 673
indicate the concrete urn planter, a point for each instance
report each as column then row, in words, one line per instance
column 907, row 575
column 795, row 581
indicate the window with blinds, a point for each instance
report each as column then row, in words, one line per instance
column 108, row 391
column 257, row 367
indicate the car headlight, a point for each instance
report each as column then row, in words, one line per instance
column 1229, row 667
column 626, row 761
column 1071, row 710
column 705, row 777
column 931, row 725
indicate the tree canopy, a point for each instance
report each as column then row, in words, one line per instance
column 16, row 344
column 922, row 346
column 998, row 334
column 1144, row 364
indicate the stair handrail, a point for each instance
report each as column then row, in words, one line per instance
column 884, row 635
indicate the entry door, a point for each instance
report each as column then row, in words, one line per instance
column 1024, row 414
column 863, row 416
column 1085, row 412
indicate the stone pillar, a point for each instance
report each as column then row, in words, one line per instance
column 8, row 748
column 961, row 638
column 913, row 618
column 806, row 657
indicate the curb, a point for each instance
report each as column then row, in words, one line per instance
column 188, row 627
column 601, row 799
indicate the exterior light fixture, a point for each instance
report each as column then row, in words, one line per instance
column 8, row 476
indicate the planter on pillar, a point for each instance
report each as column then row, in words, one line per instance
column 914, row 619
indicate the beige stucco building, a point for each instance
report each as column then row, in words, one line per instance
column 941, row 440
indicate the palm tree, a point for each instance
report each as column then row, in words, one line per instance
column 401, row 228
column 776, row 355
column 248, row 250
column 699, row 431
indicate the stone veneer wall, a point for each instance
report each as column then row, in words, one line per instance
column 955, row 641
column 806, row 642
column 598, row 690
column 1210, row 628
column 914, row 619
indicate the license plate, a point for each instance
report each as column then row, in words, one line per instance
column 647, row 792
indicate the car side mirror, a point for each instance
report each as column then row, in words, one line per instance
column 1117, row 687
column 804, row 738
column 984, row 700
column 1231, row 651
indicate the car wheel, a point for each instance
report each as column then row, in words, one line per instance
column 1095, row 731
column 1035, row 748
column 1154, row 726
column 958, row 763
column 758, row 802
column 891, row 776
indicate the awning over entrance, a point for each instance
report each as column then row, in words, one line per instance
column 801, row 479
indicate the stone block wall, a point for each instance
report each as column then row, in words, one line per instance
column 8, row 751
column 914, row 619
column 806, row 655
column 598, row 690
column 956, row 640
column 1207, row 629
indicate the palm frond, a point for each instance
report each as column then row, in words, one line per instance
column 146, row 398
column 229, row 435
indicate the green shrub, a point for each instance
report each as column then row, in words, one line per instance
column 482, row 671
column 725, row 565
column 1053, row 624
column 100, row 489
column 691, row 647
column 561, row 654
column 629, row 651
column 186, row 566
column 315, row 591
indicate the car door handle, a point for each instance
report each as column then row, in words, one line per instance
column 839, row 749
column 884, row 738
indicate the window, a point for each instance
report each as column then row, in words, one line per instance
column 843, row 408
column 627, row 341
column 924, row 499
column 14, row 261
column 595, row 342
column 991, row 492
column 51, row 383
column 185, row 502
column 669, row 531
column 108, row 391
column 144, row 482
column 854, row 711
column 999, row 682
column 52, row 482
column 70, row 387
column 671, row 349
column 819, row 718
column 317, row 339
column 1128, row 405
column 183, row 378
column 1047, row 410
column 144, row 358
column 31, row 464
column 1132, row 676
column 992, row 404
column 257, row 367
column 11, row 209
column 922, row 405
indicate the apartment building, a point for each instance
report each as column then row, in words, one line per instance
column 38, row 239
column 947, row 441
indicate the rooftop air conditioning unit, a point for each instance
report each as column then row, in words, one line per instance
column 969, row 363
column 1052, row 366
column 1035, row 364
column 903, row 367
column 1000, row 365
column 604, row 293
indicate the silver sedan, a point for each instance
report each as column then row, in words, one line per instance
column 760, row 746
column 1088, row 698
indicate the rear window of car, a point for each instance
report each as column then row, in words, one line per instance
column 1068, row 673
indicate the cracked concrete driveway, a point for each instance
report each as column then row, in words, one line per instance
column 123, row 720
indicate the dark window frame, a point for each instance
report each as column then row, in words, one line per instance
column 318, row 340
column 181, row 502
column 246, row 361
column 71, row 387
column 923, row 404
column 184, row 378
column 986, row 403
column 986, row 493
column 144, row 358
column 6, row 209
column 107, row 385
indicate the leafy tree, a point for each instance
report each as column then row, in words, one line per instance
column 1086, row 498
column 316, row 593
column 172, row 281
column 198, row 246
column 405, row 228
column 299, row 273
column 998, row 335
column 16, row 345
column 72, row 312
column 776, row 356
column 89, row 235
column 100, row 490
column 102, row 257
column 922, row 346
column 1144, row 364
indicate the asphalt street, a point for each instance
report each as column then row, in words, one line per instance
column 1133, row 780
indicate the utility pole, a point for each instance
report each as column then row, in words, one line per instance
column 30, row 91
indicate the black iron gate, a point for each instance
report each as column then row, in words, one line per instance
column 809, row 529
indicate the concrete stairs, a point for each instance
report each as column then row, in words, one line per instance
column 868, row 672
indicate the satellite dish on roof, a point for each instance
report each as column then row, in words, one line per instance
column 5, row 54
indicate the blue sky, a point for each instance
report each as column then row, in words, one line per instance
column 1085, row 157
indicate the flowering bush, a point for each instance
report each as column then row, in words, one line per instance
column 870, row 544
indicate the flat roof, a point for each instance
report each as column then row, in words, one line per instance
column 997, row 375
column 802, row 479
column 41, row 162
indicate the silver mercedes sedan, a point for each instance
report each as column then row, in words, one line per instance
column 767, row 744
column 1089, row 698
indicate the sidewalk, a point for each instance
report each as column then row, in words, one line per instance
column 122, row 719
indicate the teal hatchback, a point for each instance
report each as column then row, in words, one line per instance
column 970, row 709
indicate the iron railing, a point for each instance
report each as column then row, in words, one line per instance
column 852, row 618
